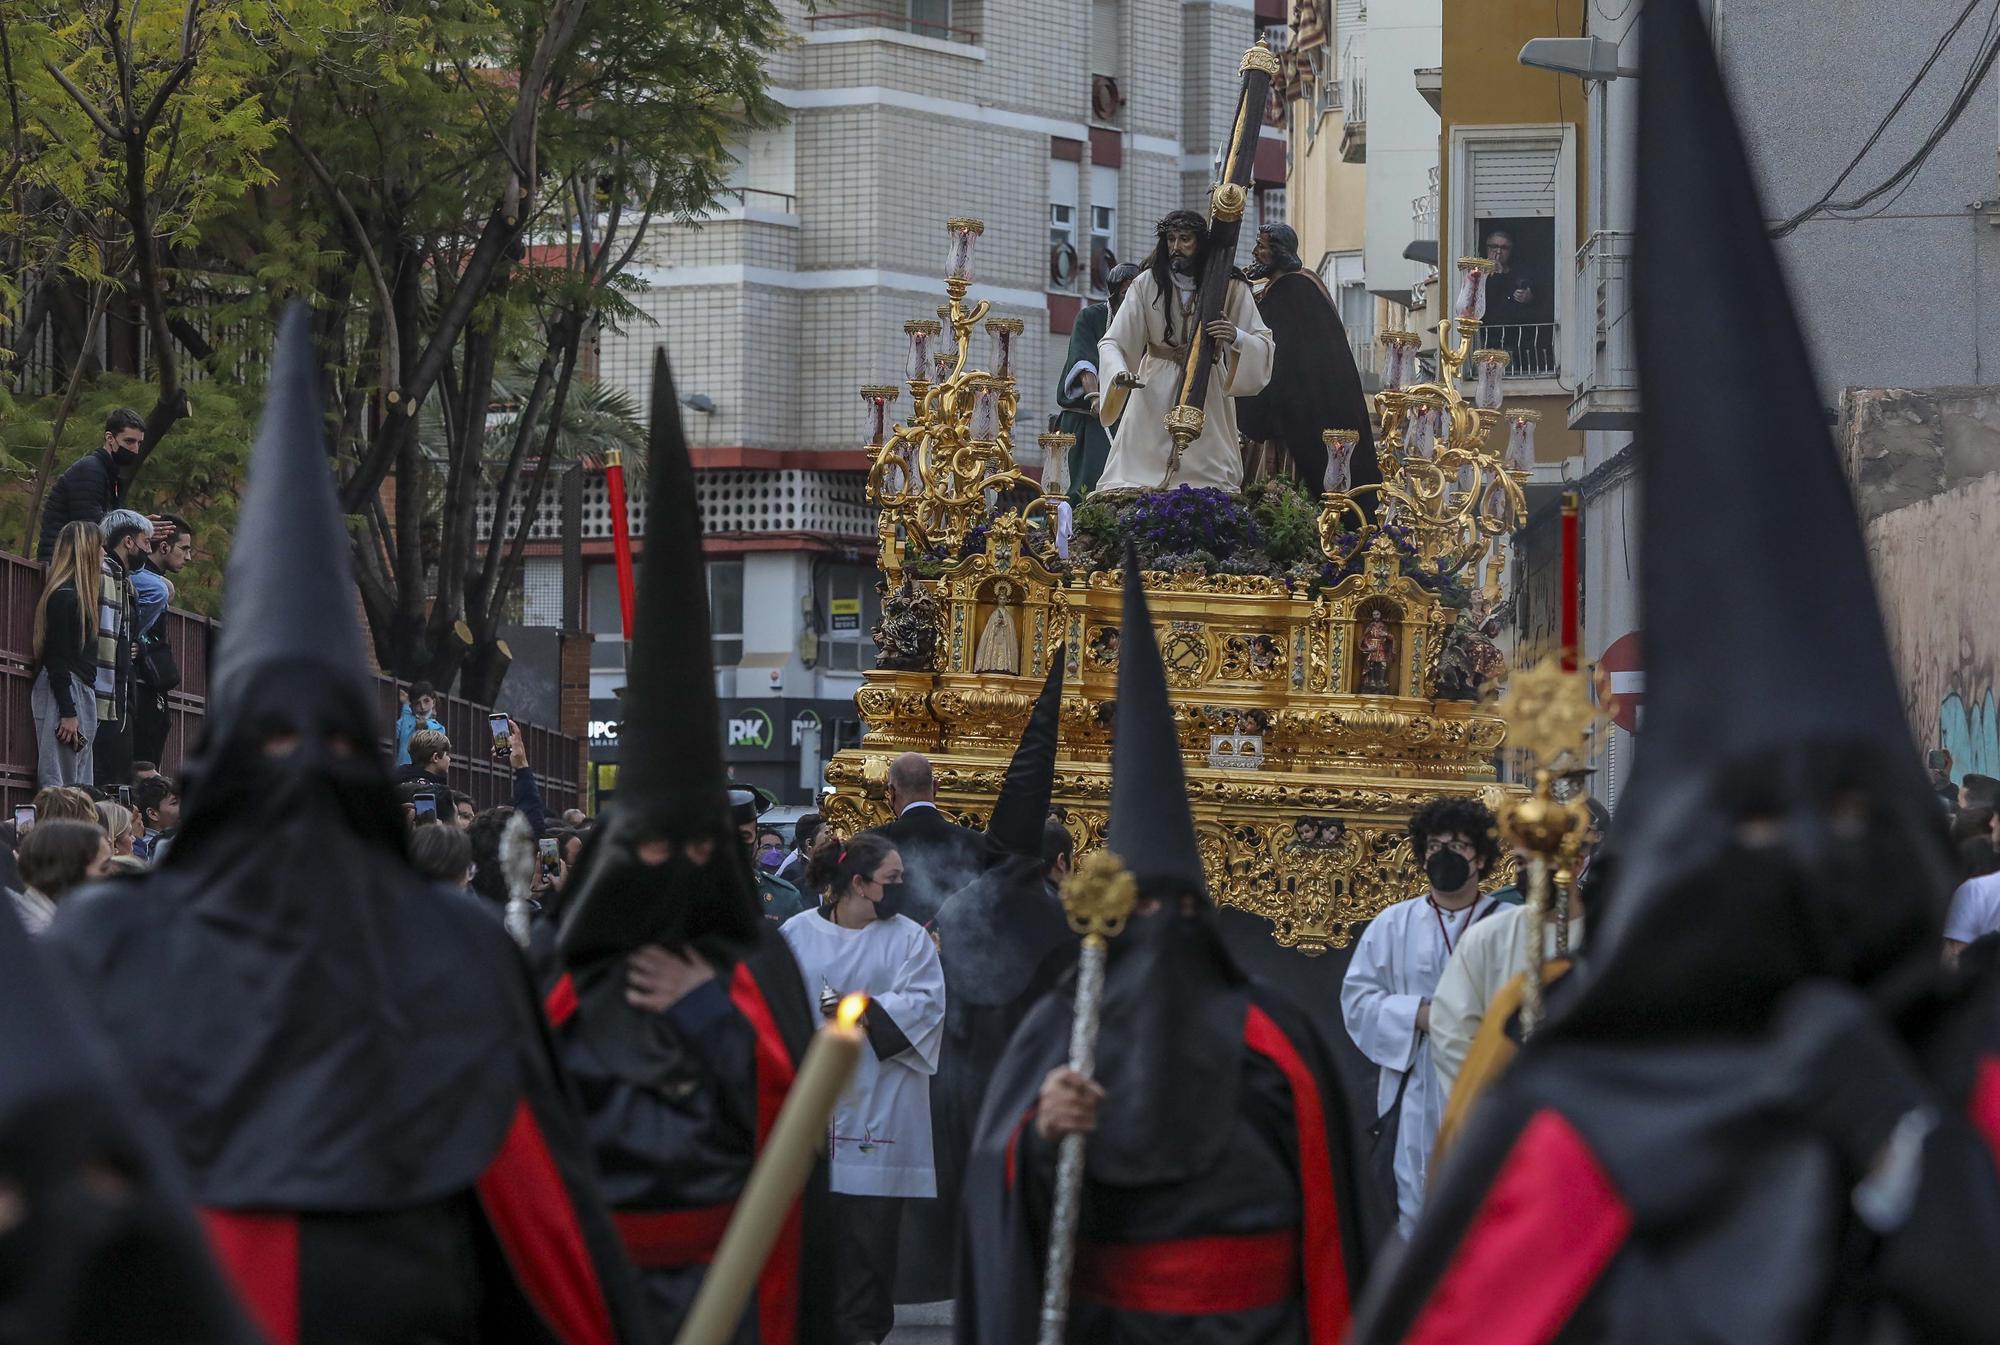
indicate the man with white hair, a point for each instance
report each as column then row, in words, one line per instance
column 939, row 855
column 128, row 534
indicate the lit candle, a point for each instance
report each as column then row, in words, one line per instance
column 777, row 1179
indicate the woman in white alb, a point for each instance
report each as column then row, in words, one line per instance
column 881, row 1144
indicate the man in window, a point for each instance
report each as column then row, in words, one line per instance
column 1516, row 301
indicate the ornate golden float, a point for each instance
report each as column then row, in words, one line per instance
column 1313, row 710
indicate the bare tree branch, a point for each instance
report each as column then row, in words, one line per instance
column 105, row 128
column 392, row 345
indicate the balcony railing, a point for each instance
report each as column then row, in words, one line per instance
column 1607, row 394
column 761, row 198
column 895, row 22
column 1353, row 102
column 1533, row 347
column 1424, row 212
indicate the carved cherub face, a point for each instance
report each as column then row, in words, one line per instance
column 1002, row 591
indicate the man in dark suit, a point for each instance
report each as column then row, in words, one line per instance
column 939, row 856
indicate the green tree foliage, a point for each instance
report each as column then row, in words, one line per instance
column 457, row 187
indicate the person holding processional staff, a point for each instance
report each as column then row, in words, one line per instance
column 1216, row 1187
column 1188, row 340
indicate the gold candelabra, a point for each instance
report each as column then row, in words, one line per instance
column 934, row 476
column 1442, row 480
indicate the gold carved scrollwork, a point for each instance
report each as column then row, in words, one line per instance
column 1253, row 658
column 1185, row 649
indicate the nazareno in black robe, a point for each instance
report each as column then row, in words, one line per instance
column 679, row 1104
column 1261, row 1246
column 676, row 1118
column 349, row 1060
column 1314, row 385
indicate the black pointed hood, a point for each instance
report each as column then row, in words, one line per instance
column 287, row 906
column 81, row 1268
column 1170, row 1055
column 1769, row 684
column 671, row 784
column 289, row 596
column 1003, row 925
column 1023, row 805
column 1151, row 829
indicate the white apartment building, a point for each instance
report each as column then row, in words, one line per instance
column 1067, row 126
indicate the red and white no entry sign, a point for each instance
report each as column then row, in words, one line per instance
column 1627, row 676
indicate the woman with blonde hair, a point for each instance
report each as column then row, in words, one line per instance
column 63, row 700
column 117, row 821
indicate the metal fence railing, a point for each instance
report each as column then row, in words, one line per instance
column 1534, row 349
column 556, row 757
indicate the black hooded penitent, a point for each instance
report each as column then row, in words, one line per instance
column 1777, row 828
column 105, row 1248
column 678, row 1104
column 349, row 1061
column 1220, row 1114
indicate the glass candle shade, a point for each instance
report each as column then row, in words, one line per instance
column 1521, row 440
column 1003, row 331
column 958, row 261
column 1489, row 379
column 1055, row 462
column 984, row 425
column 921, row 331
column 877, row 400
column 1340, row 459
column 1420, row 433
column 1399, row 359
column 1469, row 296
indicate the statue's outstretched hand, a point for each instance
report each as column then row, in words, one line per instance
column 1127, row 379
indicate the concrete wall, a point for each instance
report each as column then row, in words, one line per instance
column 1926, row 467
column 1403, row 37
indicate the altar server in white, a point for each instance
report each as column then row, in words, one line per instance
column 856, row 941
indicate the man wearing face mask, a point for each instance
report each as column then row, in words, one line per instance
column 1385, row 999
column 859, row 941
column 781, row 900
column 93, row 485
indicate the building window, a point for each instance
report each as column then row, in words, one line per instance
column 1518, row 206
column 1103, row 226
column 1347, row 283
column 725, row 611
column 1062, row 225
column 930, row 18
column 1107, row 44
column 849, row 608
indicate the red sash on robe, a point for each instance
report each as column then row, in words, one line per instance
column 1180, row 1276
column 526, row 1205
column 660, row 1239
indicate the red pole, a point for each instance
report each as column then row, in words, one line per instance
column 1571, row 581
column 621, row 533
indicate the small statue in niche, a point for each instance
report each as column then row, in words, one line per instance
column 1378, row 656
column 999, row 649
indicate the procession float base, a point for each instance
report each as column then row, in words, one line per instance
column 1300, row 780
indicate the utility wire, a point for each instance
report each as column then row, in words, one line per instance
column 1982, row 63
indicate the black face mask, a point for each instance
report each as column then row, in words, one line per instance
column 124, row 457
column 1448, row 870
column 890, row 904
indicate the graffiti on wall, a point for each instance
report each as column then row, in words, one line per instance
column 1936, row 567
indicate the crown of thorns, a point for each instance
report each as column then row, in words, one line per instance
column 1183, row 219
